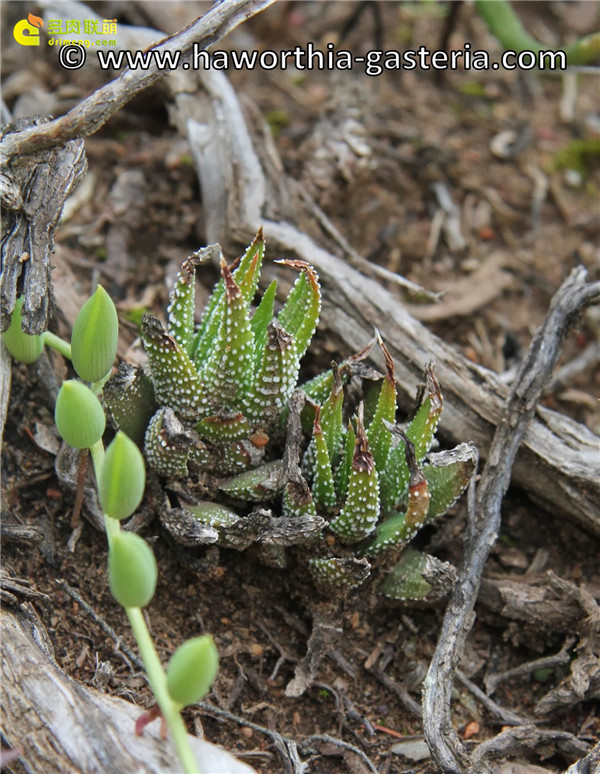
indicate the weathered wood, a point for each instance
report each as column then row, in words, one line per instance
column 558, row 462
column 62, row 726
column 34, row 192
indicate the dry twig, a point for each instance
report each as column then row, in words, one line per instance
column 547, row 662
column 88, row 116
column 484, row 521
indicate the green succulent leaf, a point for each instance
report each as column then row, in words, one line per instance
column 297, row 500
column 342, row 473
column 392, row 532
column 128, row 397
column 246, row 276
column 275, row 379
column 300, row 313
column 192, row 670
column 240, row 455
column 176, row 382
column 418, row 577
column 167, row 445
column 78, row 415
column 332, row 417
column 260, row 323
column 334, row 576
column 132, row 570
column 122, row 478
column 448, row 477
column 181, row 301
column 405, row 581
column 211, row 320
column 214, row 514
column 262, row 483
column 22, row 346
column 323, row 488
column 227, row 373
column 420, row 430
column 360, row 512
column 398, row 529
column 224, row 427
column 95, row 336
column 379, row 436
column 319, row 387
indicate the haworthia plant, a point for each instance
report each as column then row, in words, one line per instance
column 221, row 396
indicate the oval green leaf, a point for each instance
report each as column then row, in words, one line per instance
column 78, row 415
column 192, row 670
column 132, row 570
column 95, row 335
column 122, row 478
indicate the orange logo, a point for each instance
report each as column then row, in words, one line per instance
column 27, row 31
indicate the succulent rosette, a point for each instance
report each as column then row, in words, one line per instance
column 216, row 401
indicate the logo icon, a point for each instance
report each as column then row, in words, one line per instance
column 27, row 31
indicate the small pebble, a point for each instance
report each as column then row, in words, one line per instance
column 413, row 750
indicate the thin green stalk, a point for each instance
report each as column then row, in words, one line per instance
column 97, row 452
column 154, row 670
column 97, row 387
column 504, row 24
column 60, row 345
column 158, row 682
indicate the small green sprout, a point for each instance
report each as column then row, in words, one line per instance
column 95, row 335
column 122, row 478
column 78, row 415
column 22, row 346
column 132, row 570
column 192, row 670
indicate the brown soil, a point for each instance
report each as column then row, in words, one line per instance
column 368, row 150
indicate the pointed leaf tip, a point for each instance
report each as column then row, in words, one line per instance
column 95, row 337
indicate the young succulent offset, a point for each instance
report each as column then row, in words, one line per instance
column 121, row 479
column 222, row 393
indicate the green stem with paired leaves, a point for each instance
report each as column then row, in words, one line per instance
column 156, row 675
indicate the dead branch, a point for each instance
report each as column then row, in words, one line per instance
column 588, row 764
column 88, row 116
column 484, row 521
column 38, row 186
column 547, row 662
column 514, row 740
column 504, row 716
